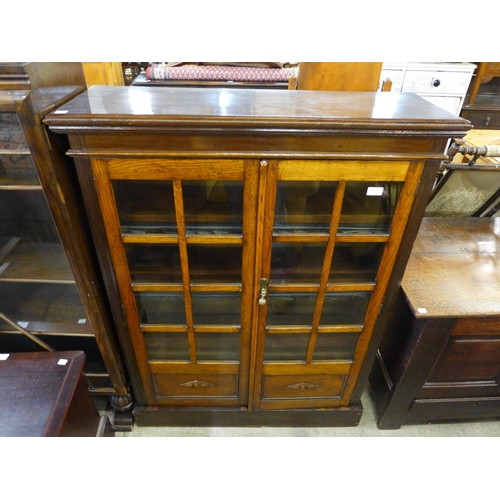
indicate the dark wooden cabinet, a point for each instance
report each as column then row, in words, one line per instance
column 440, row 356
column 482, row 106
column 44, row 394
column 50, row 284
column 251, row 240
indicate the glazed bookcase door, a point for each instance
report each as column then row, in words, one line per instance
column 330, row 234
column 38, row 293
column 182, row 245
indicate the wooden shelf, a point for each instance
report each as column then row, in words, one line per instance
column 44, row 308
column 35, row 263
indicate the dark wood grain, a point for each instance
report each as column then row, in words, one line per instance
column 440, row 353
column 270, row 140
column 32, row 90
column 44, row 395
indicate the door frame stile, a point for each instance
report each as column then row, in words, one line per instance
column 112, row 227
column 267, row 200
column 251, row 204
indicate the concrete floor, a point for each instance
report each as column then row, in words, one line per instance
column 366, row 428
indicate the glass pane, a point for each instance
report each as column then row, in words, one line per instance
column 355, row 262
column 154, row 263
column 368, row 207
column 11, row 134
column 42, row 307
column 332, row 346
column 290, row 309
column 161, row 308
column 217, row 346
column 213, row 207
column 297, row 262
column 215, row 263
column 25, row 214
column 463, row 193
column 286, row 347
column 345, row 308
column 17, row 170
column 217, row 308
column 145, row 207
column 171, row 346
column 303, row 206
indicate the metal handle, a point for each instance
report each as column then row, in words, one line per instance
column 263, row 292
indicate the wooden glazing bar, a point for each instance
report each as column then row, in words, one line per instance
column 288, row 329
column 173, row 287
column 157, row 287
column 161, row 169
column 362, row 238
column 181, row 229
column 215, row 240
column 150, row 239
column 292, row 170
column 325, row 271
column 340, row 329
column 199, row 287
column 401, row 215
column 300, row 238
column 164, row 328
column 307, row 329
column 217, row 329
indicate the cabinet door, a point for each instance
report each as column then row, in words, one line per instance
column 38, row 293
column 181, row 235
column 330, row 233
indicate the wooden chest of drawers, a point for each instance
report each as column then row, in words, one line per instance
column 443, row 84
column 440, row 356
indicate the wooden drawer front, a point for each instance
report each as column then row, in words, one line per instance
column 468, row 360
column 193, row 385
column 450, row 409
column 304, row 381
column 483, row 119
column 476, row 327
column 196, row 381
column 423, row 81
column 302, row 386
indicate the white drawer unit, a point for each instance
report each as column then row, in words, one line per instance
column 443, row 84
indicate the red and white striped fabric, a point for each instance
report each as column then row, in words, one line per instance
column 218, row 73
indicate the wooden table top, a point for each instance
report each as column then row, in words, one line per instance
column 35, row 391
column 454, row 268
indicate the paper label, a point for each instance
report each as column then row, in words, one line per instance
column 61, row 112
column 23, row 324
column 62, row 362
column 422, row 310
column 375, row 191
column 3, row 357
column 82, row 321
